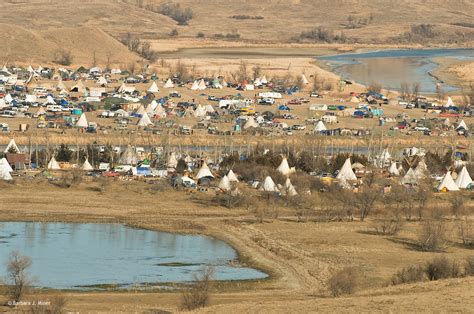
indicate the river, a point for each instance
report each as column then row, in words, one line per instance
column 391, row 68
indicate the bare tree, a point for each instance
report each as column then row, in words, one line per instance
column 257, row 71
column 415, row 89
column 17, row 276
column 197, row 295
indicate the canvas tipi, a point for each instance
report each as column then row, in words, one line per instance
column 53, row 164
column 448, row 184
column 346, row 172
column 464, row 179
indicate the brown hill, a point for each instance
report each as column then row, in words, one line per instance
column 37, row 28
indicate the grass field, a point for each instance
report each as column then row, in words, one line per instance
column 300, row 256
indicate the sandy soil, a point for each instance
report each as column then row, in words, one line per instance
column 299, row 256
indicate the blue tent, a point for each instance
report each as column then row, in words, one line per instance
column 284, row 107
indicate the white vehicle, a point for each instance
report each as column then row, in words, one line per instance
column 53, row 108
column 40, row 91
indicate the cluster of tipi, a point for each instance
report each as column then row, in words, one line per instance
column 413, row 176
column 54, row 165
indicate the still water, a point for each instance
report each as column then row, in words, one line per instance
column 391, row 68
column 72, row 256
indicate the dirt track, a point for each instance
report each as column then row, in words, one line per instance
column 299, row 256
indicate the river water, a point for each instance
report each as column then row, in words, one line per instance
column 82, row 256
column 391, row 68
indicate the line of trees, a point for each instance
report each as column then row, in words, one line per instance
column 140, row 47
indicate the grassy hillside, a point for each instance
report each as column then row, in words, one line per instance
column 45, row 24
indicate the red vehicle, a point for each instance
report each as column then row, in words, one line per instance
column 110, row 174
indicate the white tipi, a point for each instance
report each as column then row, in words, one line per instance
column 232, row 177
column 224, row 184
column 169, row 84
column 87, row 166
column 144, row 120
column 346, row 172
column 82, row 122
column 284, row 168
column 53, row 164
column 448, row 183
column 153, row 88
column 464, row 179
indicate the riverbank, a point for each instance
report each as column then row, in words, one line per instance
column 300, row 256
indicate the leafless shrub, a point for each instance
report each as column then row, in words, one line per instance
column 230, row 199
column 457, row 205
column 55, row 306
column 343, row 282
column 408, row 275
column 469, row 266
column 176, row 12
column 18, row 279
column 197, row 295
column 432, row 236
column 466, row 232
column 388, row 225
column 441, row 267
column 63, row 57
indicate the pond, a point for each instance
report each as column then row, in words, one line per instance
column 391, row 68
column 85, row 256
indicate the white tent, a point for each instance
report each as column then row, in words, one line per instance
column 462, row 125
column 209, row 109
column 200, row 111
column 224, row 184
column 50, row 100
column 172, row 161
column 410, row 177
column 264, row 80
column 257, row 82
column 232, row 177
column 449, row 103
column 169, row 84
column 160, row 112
column 284, row 168
column 421, row 170
column 5, row 165
column 53, row 164
column 8, row 98
column 269, row 185
column 304, row 79
column 12, row 147
column 448, row 183
column 251, row 123
column 346, row 172
column 82, row 122
column 144, row 120
column 195, row 85
column 87, row 166
column 153, row 88
column 393, row 170
column 150, row 110
column 202, row 85
column 101, row 81
column 204, row 172
column 5, row 175
column 249, row 87
column 320, row 126
column 464, row 179
column 289, row 188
